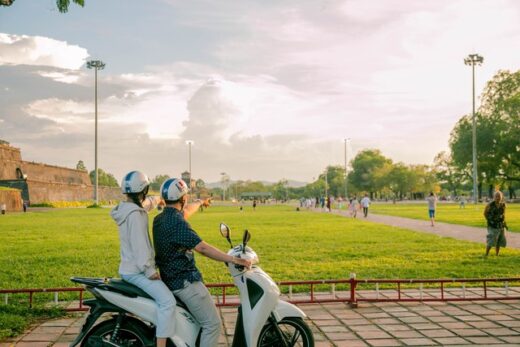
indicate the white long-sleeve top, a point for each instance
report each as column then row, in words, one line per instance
column 137, row 253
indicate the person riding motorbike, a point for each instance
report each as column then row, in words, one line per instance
column 174, row 242
column 137, row 254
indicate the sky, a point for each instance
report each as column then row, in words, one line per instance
column 265, row 89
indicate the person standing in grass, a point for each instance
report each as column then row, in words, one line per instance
column 495, row 214
column 365, row 203
column 432, row 206
column 353, row 207
column 137, row 254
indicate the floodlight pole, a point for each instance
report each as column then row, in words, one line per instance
column 474, row 59
column 96, row 65
column 346, row 169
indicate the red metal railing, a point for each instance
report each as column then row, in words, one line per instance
column 353, row 296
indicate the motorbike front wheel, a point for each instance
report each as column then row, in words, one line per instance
column 128, row 335
column 294, row 331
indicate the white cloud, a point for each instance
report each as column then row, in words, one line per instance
column 40, row 51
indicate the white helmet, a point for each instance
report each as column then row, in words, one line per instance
column 173, row 189
column 134, row 182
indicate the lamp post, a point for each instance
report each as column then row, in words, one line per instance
column 346, row 169
column 472, row 60
column 223, row 180
column 96, row 65
column 189, row 143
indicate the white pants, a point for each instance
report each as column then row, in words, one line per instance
column 164, row 299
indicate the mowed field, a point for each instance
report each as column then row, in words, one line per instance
column 449, row 213
column 45, row 249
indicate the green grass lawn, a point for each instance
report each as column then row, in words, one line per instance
column 46, row 248
column 448, row 213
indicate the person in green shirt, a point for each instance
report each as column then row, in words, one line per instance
column 495, row 214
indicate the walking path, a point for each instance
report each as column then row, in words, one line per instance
column 483, row 323
column 455, row 231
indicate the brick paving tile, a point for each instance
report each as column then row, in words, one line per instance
column 418, row 342
column 322, row 344
column 367, row 335
column 32, row 344
column 340, row 336
column 498, row 318
column 445, row 319
column 469, row 318
column 511, row 339
column 376, row 315
column 384, row 342
column 501, row 332
column 484, row 340
column 350, row 343
column 41, row 337
column 413, row 320
column 468, row 332
column 395, row 309
column 400, row 314
column 319, row 315
column 394, row 327
column 511, row 324
column 424, row 326
column 327, row 322
column 403, row 334
column 385, row 321
column 346, row 315
column 61, row 344
column 437, row 333
column 484, row 324
column 58, row 323
column 355, row 321
column 451, row 341
column 456, row 325
column 369, row 327
column 334, row 329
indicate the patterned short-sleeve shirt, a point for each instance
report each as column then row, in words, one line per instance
column 174, row 240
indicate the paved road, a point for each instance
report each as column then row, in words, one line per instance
column 455, row 231
column 469, row 323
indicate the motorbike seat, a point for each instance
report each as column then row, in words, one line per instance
column 121, row 286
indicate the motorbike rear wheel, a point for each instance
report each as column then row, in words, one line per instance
column 129, row 335
column 294, row 330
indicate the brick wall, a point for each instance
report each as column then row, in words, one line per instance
column 10, row 159
column 12, row 199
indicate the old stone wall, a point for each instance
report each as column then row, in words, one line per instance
column 10, row 160
column 55, row 191
column 13, row 200
column 54, row 174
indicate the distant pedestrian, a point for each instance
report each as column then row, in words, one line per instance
column 254, row 204
column 3, row 208
column 462, row 203
column 322, row 202
column 365, row 203
column 353, row 207
column 432, row 206
column 495, row 214
column 25, row 206
column 317, row 204
column 328, row 204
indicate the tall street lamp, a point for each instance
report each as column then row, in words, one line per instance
column 189, row 143
column 474, row 59
column 346, row 169
column 96, row 65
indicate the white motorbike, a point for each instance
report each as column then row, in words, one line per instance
column 263, row 319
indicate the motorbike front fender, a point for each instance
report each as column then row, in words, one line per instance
column 284, row 309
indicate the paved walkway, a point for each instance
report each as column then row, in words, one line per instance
column 455, row 231
column 483, row 323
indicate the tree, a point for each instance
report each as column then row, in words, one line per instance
column 448, row 174
column 364, row 168
column 62, row 5
column 81, row 166
column 104, row 178
column 158, row 181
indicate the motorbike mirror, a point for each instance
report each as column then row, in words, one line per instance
column 245, row 240
column 225, row 232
